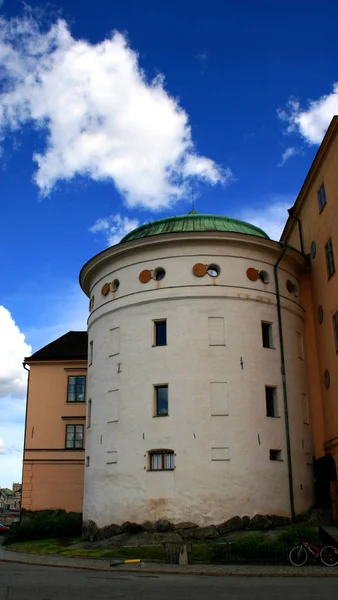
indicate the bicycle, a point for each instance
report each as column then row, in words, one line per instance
column 299, row 554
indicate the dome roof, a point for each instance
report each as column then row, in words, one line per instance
column 193, row 222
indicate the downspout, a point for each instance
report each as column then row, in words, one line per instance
column 285, row 391
column 24, row 364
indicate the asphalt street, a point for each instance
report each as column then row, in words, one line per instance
column 23, row 582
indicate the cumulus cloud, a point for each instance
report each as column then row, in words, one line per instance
column 114, row 227
column 100, row 115
column 270, row 216
column 13, row 349
column 311, row 122
column 13, row 381
column 289, row 153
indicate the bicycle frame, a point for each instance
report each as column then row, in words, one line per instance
column 313, row 549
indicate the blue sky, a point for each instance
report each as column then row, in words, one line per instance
column 113, row 114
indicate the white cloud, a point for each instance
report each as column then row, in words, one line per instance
column 13, row 349
column 288, row 153
column 270, row 216
column 100, row 115
column 311, row 123
column 114, row 227
column 13, row 381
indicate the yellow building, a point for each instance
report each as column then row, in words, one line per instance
column 313, row 228
column 53, row 463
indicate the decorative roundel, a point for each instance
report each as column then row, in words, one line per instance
column 264, row 276
column 320, row 314
column 313, row 249
column 327, row 379
column 115, row 285
column 252, row 274
column 105, row 289
column 290, row 286
column 91, row 303
column 158, row 274
column 199, row 269
column 213, row 270
column 145, row 276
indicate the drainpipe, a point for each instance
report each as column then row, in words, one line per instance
column 285, row 391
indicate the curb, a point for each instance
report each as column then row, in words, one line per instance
column 173, row 572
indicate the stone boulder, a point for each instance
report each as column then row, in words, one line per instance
column 246, row 521
column 185, row 525
column 279, row 521
column 163, row 525
column 109, row 531
column 90, row 531
column 128, row 527
column 260, row 522
column 200, row 533
column 232, row 524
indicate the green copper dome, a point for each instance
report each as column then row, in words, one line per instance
column 193, row 222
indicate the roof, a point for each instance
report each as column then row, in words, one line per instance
column 329, row 136
column 193, row 222
column 6, row 491
column 71, row 346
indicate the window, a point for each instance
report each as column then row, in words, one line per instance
column 213, row 270
column 264, row 276
column 300, row 345
column 321, row 197
column 329, row 258
column 267, row 335
column 271, row 401
column 76, row 388
column 161, row 400
column 276, row 455
column 89, row 413
column 74, row 436
column 161, row 460
column 91, row 351
column 160, row 333
column 87, row 461
column 305, row 408
column 335, row 329
column 159, row 274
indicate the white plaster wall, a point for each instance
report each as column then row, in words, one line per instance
column 199, row 489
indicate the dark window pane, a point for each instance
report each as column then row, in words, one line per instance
column 160, row 333
column 266, row 335
column 162, row 400
column 270, row 397
column 321, row 197
column 329, row 258
column 74, row 436
column 76, row 388
column 335, row 329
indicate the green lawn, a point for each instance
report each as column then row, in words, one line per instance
column 61, row 547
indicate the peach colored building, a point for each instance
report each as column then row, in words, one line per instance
column 53, row 463
column 313, row 228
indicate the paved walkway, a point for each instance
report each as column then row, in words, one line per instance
column 160, row 568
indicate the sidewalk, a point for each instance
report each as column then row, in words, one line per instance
column 160, row 568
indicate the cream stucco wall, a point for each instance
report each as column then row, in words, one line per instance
column 123, row 373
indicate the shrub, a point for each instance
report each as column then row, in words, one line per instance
column 299, row 532
column 45, row 524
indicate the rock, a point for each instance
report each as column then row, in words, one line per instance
column 279, row 521
column 260, row 522
column 163, row 525
column 246, row 521
column 200, row 533
column 110, row 531
column 149, row 526
column 230, row 525
column 129, row 527
column 90, row 531
column 185, row 525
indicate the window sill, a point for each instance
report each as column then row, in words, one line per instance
column 273, row 416
column 74, row 449
column 269, row 348
column 68, row 402
column 160, row 416
column 332, row 274
column 160, row 470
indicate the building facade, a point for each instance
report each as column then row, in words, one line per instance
column 187, row 415
column 313, row 227
column 53, row 462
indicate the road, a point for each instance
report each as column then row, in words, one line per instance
column 27, row 582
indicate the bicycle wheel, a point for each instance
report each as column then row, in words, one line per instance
column 329, row 556
column 298, row 556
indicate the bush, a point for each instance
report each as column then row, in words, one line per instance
column 299, row 532
column 45, row 524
